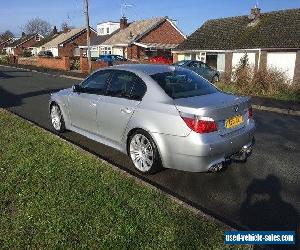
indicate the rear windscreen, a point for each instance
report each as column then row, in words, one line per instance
column 183, row 83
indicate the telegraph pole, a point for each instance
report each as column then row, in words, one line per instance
column 88, row 38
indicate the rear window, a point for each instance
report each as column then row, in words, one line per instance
column 183, row 83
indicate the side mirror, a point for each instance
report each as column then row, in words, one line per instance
column 76, row 88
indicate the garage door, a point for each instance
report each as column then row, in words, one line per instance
column 283, row 61
column 236, row 57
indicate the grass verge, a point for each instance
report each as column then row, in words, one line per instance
column 54, row 195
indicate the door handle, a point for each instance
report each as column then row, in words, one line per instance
column 93, row 104
column 126, row 110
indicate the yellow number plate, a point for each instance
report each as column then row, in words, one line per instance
column 233, row 121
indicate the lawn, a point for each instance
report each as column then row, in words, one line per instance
column 54, row 195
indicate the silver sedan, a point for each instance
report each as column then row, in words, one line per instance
column 161, row 116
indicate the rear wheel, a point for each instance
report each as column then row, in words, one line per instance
column 143, row 153
column 57, row 119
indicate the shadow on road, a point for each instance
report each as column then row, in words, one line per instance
column 264, row 210
column 7, row 76
column 8, row 99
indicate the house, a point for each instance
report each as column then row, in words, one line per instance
column 25, row 43
column 5, row 43
column 104, row 31
column 145, row 38
column 269, row 39
column 67, row 43
column 37, row 47
column 106, row 28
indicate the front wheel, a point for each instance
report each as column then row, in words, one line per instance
column 57, row 119
column 144, row 153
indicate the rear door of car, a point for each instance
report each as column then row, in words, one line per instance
column 124, row 93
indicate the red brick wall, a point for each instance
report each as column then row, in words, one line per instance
column 135, row 52
column 54, row 63
column 27, row 61
column 163, row 33
column 84, row 66
column 68, row 48
column 228, row 64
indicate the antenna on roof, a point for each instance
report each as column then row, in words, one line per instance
column 124, row 6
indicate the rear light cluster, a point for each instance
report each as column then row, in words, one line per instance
column 250, row 112
column 201, row 126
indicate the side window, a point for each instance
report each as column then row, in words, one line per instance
column 96, row 83
column 125, row 84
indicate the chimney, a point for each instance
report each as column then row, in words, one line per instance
column 255, row 13
column 23, row 34
column 123, row 23
column 54, row 31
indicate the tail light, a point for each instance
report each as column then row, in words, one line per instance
column 202, row 125
column 250, row 112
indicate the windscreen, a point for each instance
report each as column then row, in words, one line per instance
column 183, row 83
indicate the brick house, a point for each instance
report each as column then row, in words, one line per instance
column 26, row 42
column 269, row 39
column 67, row 43
column 4, row 44
column 144, row 39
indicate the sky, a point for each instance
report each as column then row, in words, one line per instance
column 190, row 14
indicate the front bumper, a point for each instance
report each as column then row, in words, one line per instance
column 198, row 153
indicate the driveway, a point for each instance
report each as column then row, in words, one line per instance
column 262, row 194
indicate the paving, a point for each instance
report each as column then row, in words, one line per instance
column 261, row 194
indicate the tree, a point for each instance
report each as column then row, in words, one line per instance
column 6, row 35
column 65, row 26
column 37, row 25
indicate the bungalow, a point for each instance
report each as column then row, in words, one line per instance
column 39, row 45
column 145, row 38
column 67, row 43
column 270, row 40
column 5, row 43
column 25, row 43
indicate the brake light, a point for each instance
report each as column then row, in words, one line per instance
column 201, row 126
column 250, row 112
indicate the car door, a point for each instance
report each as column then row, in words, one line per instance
column 124, row 92
column 83, row 104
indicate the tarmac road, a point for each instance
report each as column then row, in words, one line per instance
column 261, row 194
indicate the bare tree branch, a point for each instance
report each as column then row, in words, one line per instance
column 37, row 25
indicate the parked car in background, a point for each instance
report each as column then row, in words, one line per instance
column 159, row 115
column 111, row 58
column 161, row 59
column 45, row 53
column 200, row 68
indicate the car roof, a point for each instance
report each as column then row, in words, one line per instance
column 149, row 69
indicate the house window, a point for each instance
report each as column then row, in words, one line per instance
column 107, row 30
column 37, row 38
column 105, row 50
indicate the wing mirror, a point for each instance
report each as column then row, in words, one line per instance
column 77, row 88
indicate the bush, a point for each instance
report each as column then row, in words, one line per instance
column 4, row 59
column 269, row 82
column 27, row 53
column 75, row 64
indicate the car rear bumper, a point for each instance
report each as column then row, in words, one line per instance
column 198, row 153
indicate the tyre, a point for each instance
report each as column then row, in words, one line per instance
column 144, row 153
column 57, row 119
column 215, row 79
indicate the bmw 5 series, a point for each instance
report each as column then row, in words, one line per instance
column 161, row 116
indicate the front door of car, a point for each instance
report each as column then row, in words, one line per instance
column 124, row 92
column 83, row 104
